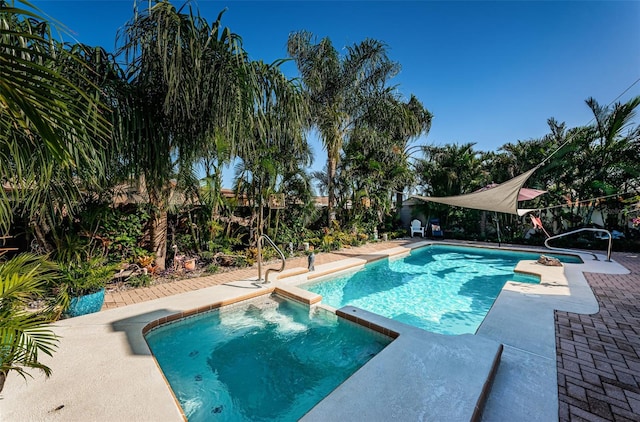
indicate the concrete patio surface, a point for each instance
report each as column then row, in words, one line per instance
column 103, row 370
column 522, row 319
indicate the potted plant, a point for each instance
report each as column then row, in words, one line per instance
column 84, row 283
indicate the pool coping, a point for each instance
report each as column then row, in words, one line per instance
column 108, row 350
column 468, row 364
column 534, row 361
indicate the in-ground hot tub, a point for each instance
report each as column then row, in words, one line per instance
column 264, row 359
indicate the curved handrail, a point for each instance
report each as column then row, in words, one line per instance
column 266, row 274
column 558, row 236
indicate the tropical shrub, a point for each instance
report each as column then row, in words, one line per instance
column 141, row 280
column 211, row 269
column 207, row 256
column 24, row 333
column 86, row 277
column 101, row 229
column 121, row 230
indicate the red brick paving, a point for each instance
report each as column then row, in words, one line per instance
column 598, row 356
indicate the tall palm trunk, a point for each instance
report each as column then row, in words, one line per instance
column 217, row 175
column 331, row 174
column 158, row 224
column 158, row 237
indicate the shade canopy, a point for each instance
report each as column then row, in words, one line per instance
column 503, row 197
column 525, row 194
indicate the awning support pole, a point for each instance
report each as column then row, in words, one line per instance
column 498, row 229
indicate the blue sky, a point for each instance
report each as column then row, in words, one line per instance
column 490, row 72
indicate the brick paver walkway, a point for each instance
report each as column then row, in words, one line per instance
column 115, row 299
column 598, row 355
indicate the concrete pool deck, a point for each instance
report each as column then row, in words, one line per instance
column 103, row 369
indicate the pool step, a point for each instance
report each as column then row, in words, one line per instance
column 419, row 376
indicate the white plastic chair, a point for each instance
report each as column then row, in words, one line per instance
column 416, row 227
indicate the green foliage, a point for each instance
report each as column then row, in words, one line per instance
column 396, row 234
column 375, row 163
column 327, row 240
column 249, row 256
column 215, row 229
column 341, row 89
column 121, row 230
column 185, row 242
column 244, row 260
column 207, row 256
column 141, row 280
column 314, row 240
column 211, row 269
column 86, row 277
column 23, row 333
column 187, row 94
column 52, row 125
column 269, row 253
column 329, row 243
column 220, row 245
column 71, row 247
column 103, row 230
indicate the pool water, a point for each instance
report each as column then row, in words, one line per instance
column 267, row 359
column 443, row 289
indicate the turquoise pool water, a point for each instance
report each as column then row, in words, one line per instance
column 268, row 359
column 440, row 288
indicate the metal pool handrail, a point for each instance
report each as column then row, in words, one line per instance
column 266, row 274
column 558, row 236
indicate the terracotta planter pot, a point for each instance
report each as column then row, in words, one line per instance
column 190, row 264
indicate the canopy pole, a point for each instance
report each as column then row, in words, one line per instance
column 498, row 229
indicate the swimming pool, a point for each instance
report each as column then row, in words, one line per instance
column 440, row 288
column 265, row 359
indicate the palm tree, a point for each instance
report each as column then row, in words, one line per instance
column 215, row 156
column 450, row 170
column 400, row 123
column 597, row 160
column 51, row 125
column 616, row 142
column 51, row 129
column 187, row 84
column 338, row 88
column 375, row 159
column 613, row 153
column 279, row 147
